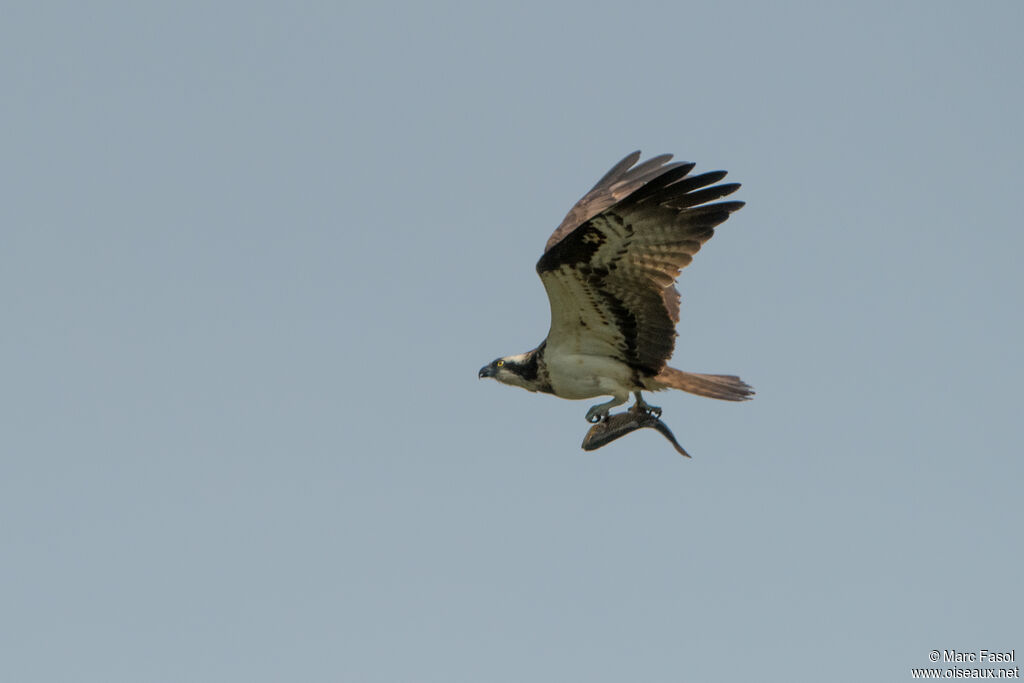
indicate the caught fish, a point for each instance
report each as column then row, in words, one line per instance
column 617, row 426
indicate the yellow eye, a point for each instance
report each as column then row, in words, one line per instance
column 500, row 363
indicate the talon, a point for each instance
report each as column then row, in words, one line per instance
column 643, row 407
column 595, row 415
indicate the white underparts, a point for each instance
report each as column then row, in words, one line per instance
column 578, row 376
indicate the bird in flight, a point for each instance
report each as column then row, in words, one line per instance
column 609, row 271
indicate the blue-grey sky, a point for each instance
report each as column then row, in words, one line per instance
column 253, row 254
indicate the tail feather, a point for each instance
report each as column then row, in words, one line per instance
column 725, row 387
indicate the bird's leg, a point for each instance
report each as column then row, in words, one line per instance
column 642, row 406
column 600, row 411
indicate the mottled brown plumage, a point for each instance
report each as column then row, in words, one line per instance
column 626, row 242
column 609, row 271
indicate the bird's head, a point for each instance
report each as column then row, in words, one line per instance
column 507, row 370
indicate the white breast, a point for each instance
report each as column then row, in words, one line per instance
column 575, row 375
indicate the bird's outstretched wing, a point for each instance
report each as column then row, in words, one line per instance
column 622, row 179
column 609, row 268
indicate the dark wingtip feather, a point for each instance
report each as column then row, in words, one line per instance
column 698, row 181
column 688, row 199
column 659, row 183
column 730, row 206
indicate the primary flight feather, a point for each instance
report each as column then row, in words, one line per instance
column 609, row 271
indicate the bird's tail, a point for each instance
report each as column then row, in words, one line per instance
column 725, row 387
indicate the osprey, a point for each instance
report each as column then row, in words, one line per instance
column 609, row 270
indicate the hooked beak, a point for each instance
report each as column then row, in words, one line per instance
column 485, row 371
